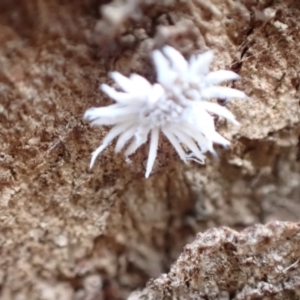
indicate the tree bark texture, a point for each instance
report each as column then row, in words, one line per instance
column 68, row 232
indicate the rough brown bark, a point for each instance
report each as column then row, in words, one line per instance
column 261, row 262
column 68, row 232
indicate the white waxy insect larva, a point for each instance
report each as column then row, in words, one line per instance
column 176, row 105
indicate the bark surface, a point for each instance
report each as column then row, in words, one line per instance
column 68, row 232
